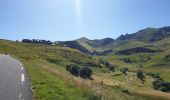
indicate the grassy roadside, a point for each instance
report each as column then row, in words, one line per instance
column 47, row 86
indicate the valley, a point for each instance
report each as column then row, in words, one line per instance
column 115, row 65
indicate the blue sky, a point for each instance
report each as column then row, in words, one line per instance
column 72, row 19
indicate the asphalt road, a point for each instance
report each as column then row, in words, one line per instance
column 14, row 82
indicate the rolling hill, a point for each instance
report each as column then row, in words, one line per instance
column 46, row 65
column 86, row 45
column 140, row 38
column 147, row 50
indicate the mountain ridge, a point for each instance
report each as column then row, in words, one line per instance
column 144, row 36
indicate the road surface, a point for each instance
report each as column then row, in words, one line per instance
column 14, row 82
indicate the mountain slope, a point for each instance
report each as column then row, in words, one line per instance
column 86, row 45
column 140, row 38
column 39, row 59
column 46, row 67
column 148, row 35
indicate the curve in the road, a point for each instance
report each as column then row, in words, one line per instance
column 14, row 82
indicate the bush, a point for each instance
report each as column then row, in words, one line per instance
column 73, row 69
column 159, row 84
column 141, row 76
column 85, row 72
column 163, row 89
column 77, row 70
column 124, row 70
column 156, row 84
column 112, row 68
column 107, row 65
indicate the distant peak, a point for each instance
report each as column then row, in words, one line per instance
column 83, row 38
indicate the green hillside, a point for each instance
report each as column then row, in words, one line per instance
column 140, row 38
column 86, row 45
column 155, row 61
column 38, row 59
column 114, row 64
column 46, row 68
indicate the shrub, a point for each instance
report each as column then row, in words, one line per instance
column 141, row 76
column 73, row 69
column 112, row 68
column 77, row 70
column 159, row 84
column 156, row 84
column 107, row 65
column 124, row 70
column 163, row 89
column 85, row 72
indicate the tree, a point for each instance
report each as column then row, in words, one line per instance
column 160, row 84
column 101, row 61
column 107, row 64
column 81, row 71
column 156, row 83
column 141, row 75
column 68, row 67
column 85, row 72
column 124, row 70
column 37, row 41
column 112, row 68
column 73, row 69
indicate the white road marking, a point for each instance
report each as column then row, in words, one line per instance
column 22, row 79
column 20, row 96
column 22, row 68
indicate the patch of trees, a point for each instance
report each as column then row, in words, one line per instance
column 160, row 84
column 107, row 65
column 77, row 70
column 140, row 75
column 37, row 41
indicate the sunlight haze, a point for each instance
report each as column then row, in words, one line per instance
column 72, row 19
